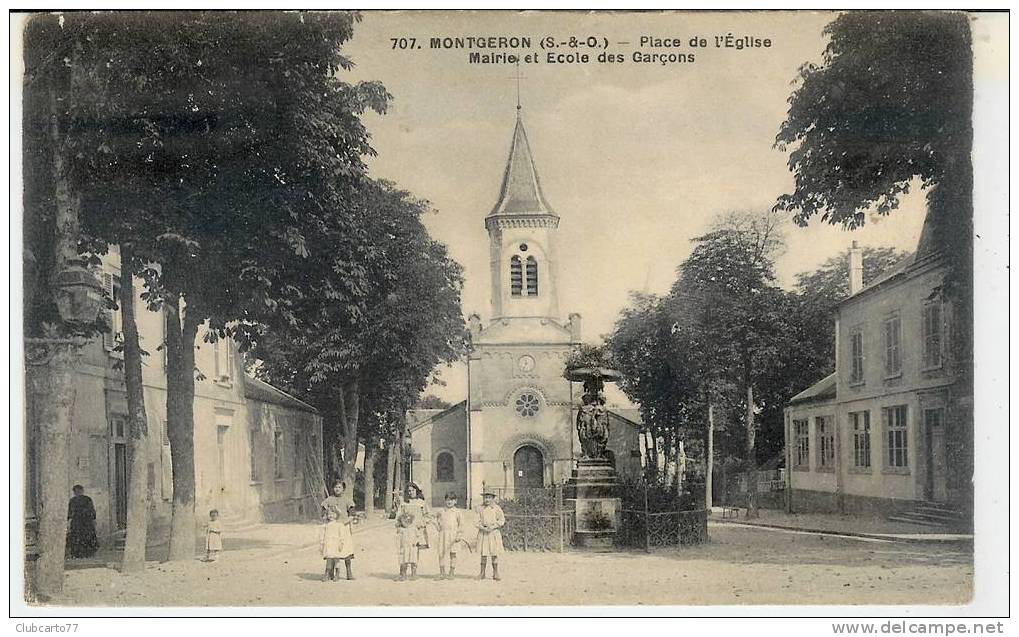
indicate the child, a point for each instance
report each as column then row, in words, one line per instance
column 407, row 535
column 332, row 544
column 490, row 520
column 213, row 537
column 339, row 507
column 451, row 525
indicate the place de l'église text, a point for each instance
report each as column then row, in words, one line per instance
column 584, row 49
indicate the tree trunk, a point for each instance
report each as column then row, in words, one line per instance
column 709, row 457
column 137, row 483
column 349, row 409
column 751, row 456
column 390, row 474
column 399, row 482
column 654, row 454
column 370, row 451
column 55, row 391
column 180, row 424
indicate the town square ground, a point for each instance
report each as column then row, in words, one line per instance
column 279, row 565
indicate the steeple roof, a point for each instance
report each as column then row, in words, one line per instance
column 521, row 189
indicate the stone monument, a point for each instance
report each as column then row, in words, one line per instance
column 593, row 488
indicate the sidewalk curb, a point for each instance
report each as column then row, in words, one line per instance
column 958, row 539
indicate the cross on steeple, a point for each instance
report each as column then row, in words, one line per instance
column 518, row 78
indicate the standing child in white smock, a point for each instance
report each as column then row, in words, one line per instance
column 490, row 520
column 451, row 524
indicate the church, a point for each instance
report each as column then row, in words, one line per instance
column 515, row 429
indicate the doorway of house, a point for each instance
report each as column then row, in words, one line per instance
column 221, row 433
column 118, row 437
column 935, row 488
column 528, row 468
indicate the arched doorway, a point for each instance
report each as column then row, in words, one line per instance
column 528, row 468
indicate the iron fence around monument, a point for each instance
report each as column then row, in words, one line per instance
column 654, row 515
column 536, row 519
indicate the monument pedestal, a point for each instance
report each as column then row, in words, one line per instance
column 593, row 490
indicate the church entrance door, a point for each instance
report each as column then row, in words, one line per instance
column 528, row 468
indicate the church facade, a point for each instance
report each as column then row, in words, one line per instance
column 516, row 428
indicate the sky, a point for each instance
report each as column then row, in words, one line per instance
column 636, row 158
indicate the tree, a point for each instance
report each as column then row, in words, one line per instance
column 653, row 359
column 215, row 143
column 377, row 351
column 133, row 559
column 891, row 101
column 726, row 292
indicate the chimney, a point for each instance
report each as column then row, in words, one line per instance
column 855, row 269
column 574, row 327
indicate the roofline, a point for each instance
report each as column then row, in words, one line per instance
column 912, row 269
column 256, row 381
column 819, row 397
column 622, row 417
column 447, row 410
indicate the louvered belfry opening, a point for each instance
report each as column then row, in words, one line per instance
column 532, row 276
column 516, row 276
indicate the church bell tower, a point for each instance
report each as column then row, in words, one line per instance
column 522, row 231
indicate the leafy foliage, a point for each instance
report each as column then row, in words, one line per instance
column 586, row 355
column 891, row 101
column 374, row 354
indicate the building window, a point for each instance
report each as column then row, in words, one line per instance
column 801, row 432
column 256, row 475
column 532, row 276
column 932, row 331
column 444, row 467
column 825, row 428
column 856, row 356
column 527, row 405
column 860, row 422
column 223, row 360
column 112, row 336
column 277, row 452
column 895, row 432
column 893, row 352
column 516, row 276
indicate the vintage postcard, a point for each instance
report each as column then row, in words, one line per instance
column 509, row 308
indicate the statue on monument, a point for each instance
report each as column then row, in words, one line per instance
column 593, row 421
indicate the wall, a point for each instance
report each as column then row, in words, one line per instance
column 878, row 487
column 445, row 432
column 101, row 402
column 286, row 479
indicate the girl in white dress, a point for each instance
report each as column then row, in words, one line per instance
column 451, row 525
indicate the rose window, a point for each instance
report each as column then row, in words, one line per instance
column 527, row 405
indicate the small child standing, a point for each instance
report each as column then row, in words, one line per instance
column 490, row 520
column 213, row 537
column 332, row 544
column 451, row 523
column 407, row 538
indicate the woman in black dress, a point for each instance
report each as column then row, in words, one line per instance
column 81, row 527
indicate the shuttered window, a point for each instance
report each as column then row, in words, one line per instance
column 516, row 276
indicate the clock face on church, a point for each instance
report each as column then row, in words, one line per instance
column 526, row 363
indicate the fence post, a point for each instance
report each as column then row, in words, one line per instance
column 559, row 515
column 647, row 523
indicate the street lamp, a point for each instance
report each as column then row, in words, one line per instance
column 78, row 295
